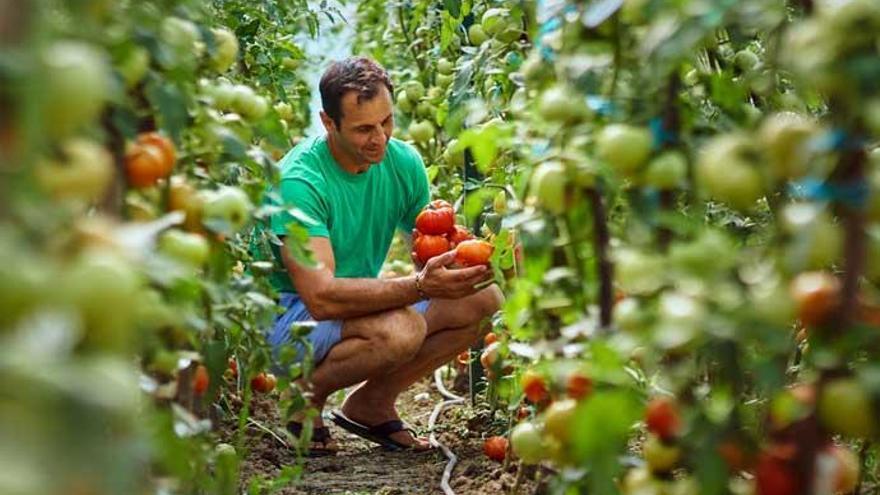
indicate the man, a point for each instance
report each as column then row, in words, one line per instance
column 359, row 185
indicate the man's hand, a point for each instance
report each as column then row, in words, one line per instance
column 441, row 282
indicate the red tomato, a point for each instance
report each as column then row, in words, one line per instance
column 233, row 366
column 474, row 252
column 438, row 218
column 774, row 477
column 490, row 338
column 578, row 386
column 263, row 382
column 662, row 417
column 495, row 448
column 440, row 203
column 428, row 246
column 534, row 387
column 201, row 380
column 817, row 295
column 459, row 234
column 164, row 145
column 144, row 165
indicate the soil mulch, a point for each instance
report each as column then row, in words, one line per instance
column 362, row 468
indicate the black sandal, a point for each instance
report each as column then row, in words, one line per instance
column 320, row 436
column 380, row 434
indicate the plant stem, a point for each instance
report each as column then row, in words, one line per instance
column 605, row 269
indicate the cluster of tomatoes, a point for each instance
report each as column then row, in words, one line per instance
column 262, row 382
column 436, row 233
column 545, row 434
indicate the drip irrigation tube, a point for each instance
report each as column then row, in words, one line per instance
column 451, row 400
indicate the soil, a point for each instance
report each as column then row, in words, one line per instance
column 362, row 468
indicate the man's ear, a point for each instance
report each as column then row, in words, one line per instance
column 329, row 125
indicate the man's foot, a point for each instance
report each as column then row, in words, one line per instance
column 321, row 443
column 369, row 414
column 382, row 433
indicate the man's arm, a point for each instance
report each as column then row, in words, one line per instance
column 331, row 298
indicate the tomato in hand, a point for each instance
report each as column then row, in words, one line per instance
column 459, row 234
column 437, row 218
column 428, row 246
column 473, row 252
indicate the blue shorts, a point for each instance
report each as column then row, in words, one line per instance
column 324, row 335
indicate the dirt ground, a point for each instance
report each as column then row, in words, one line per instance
column 362, row 468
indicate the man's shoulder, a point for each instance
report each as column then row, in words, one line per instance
column 303, row 160
column 402, row 150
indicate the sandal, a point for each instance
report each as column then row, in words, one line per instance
column 380, row 434
column 318, row 443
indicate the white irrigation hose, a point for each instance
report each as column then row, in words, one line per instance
column 452, row 399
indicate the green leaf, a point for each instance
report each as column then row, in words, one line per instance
column 171, row 105
column 297, row 244
column 603, row 424
column 453, row 7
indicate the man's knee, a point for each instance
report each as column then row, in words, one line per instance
column 485, row 303
column 398, row 334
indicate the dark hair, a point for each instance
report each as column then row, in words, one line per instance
column 359, row 74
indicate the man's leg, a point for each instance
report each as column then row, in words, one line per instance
column 369, row 346
column 452, row 326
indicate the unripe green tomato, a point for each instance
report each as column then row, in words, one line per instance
column 746, row 60
column 291, row 63
column 559, row 418
column 83, row 176
column 426, row 110
column 97, row 280
column 134, row 66
column 452, row 157
column 445, row 66
column 444, row 80
column 421, row 131
column 666, row 171
column 660, row 457
column 228, row 205
column 403, row 102
column 414, row 90
column 284, row 110
column 477, row 35
column 527, row 444
column 226, row 49
column 187, row 248
column 510, row 34
column 435, row 94
column 560, row 104
column 547, row 186
column 624, row 147
column 494, row 21
column 725, row 171
column 845, row 407
column 77, row 82
column 785, row 137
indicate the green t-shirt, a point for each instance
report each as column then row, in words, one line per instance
column 358, row 212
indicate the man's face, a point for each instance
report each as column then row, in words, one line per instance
column 364, row 128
